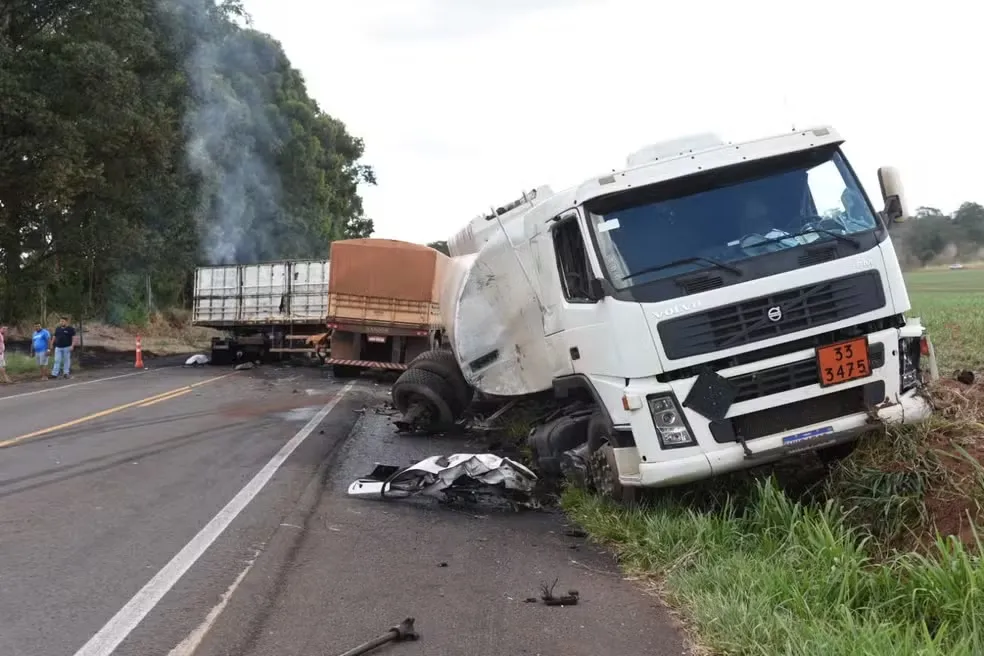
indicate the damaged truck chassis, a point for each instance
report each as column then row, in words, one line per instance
column 710, row 308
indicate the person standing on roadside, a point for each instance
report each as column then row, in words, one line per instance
column 63, row 343
column 3, row 356
column 40, row 342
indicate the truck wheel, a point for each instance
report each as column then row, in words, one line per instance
column 549, row 441
column 603, row 466
column 427, row 393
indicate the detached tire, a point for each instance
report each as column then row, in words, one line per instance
column 420, row 386
column 443, row 363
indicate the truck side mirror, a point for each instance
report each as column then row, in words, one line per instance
column 896, row 209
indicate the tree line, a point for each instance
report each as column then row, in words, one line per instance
column 141, row 138
column 932, row 237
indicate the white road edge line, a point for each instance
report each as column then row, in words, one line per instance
column 62, row 387
column 188, row 646
column 108, row 638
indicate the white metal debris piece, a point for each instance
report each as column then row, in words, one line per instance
column 197, row 360
column 437, row 475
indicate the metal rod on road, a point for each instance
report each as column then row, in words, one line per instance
column 402, row 631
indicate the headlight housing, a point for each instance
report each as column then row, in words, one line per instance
column 671, row 426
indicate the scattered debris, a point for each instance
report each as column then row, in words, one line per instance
column 399, row 633
column 442, row 565
column 964, row 376
column 197, row 360
column 547, row 595
column 245, row 366
column 468, row 475
column 576, row 533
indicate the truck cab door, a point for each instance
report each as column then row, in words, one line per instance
column 567, row 284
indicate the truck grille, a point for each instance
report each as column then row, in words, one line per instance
column 748, row 321
column 776, row 380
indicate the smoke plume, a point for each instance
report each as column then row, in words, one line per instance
column 231, row 135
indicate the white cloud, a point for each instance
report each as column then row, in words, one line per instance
column 463, row 103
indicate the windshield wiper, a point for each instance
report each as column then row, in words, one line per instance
column 822, row 231
column 686, row 260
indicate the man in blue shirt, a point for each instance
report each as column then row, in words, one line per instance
column 40, row 343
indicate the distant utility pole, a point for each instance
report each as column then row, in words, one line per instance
column 150, row 297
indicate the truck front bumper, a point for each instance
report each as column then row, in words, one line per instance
column 911, row 407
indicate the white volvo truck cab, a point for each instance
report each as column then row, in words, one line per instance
column 712, row 307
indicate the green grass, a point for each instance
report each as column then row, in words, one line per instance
column 782, row 577
column 856, row 564
column 951, row 305
column 19, row 364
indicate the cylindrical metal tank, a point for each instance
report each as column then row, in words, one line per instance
column 490, row 306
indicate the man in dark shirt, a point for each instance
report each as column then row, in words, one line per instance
column 62, row 344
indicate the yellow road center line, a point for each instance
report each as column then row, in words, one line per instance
column 96, row 415
column 165, row 398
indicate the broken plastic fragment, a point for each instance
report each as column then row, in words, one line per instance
column 438, row 475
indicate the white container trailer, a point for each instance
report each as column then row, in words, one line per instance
column 265, row 308
column 216, row 301
column 309, row 291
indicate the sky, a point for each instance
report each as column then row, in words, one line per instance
column 463, row 104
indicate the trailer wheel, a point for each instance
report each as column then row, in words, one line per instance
column 436, row 354
column 462, row 392
column 426, row 396
column 447, row 360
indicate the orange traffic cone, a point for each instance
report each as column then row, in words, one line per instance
column 139, row 364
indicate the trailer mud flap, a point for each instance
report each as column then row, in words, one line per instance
column 368, row 364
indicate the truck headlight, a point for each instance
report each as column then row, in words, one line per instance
column 671, row 426
column 909, row 355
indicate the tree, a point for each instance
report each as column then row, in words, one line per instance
column 140, row 138
column 441, row 246
column 933, row 236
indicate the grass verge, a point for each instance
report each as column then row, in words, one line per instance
column 881, row 556
column 19, row 364
column 779, row 576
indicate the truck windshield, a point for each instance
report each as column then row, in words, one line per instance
column 723, row 218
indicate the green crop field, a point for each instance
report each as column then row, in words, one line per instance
column 951, row 305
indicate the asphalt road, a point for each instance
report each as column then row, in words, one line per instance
column 102, row 484
column 344, row 570
column 182, row 511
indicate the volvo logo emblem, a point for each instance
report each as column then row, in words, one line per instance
column 774, row 313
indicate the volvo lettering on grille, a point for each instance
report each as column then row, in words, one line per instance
column 747, row 321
